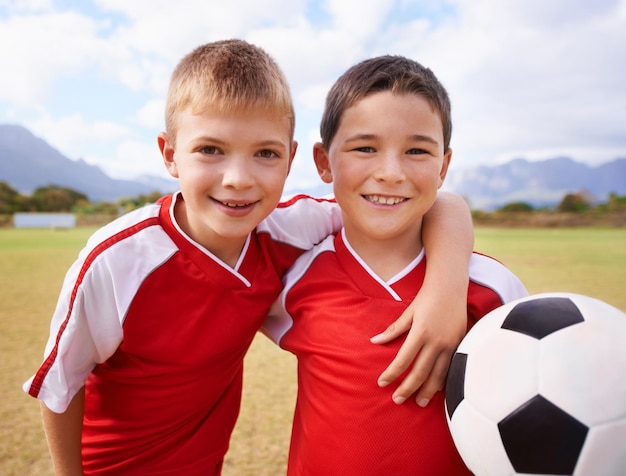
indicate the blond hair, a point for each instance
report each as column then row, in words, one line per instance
column 228, row 75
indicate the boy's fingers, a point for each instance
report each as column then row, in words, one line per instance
column 434, row 382
column 396, row 329
column 428, row 375
column 409, row 349
column 415, row 378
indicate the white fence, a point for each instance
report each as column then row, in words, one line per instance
column 44, row 220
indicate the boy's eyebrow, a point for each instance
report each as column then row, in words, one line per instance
column 424, row 138
column 358, row 137
column 220, row 142
column 271, row 142
column 413, row 137
column 205, row 138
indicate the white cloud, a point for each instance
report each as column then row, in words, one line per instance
column 26, row 5
column 131, row 158
column 358, row 18
column 526, row 77
column 313, row 97
column 38, row 49
column 72, row 134
column 171, row 29
column 152, row 114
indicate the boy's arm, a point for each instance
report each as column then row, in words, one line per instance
column 437, row 317
column 63, row 433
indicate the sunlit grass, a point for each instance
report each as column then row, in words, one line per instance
column 589, row 261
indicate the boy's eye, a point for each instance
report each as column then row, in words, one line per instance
column 267, row 154
column 210, row 150
column 416, row 151
column 367, row 150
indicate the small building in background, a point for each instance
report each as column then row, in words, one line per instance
column 44, row 220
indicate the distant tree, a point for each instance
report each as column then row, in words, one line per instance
column 25, row 204
column 614, row 203
column 151, row 197
column 56, row 199
column 9, row 198
column 99, row 208
column 107, row 208
column 574, row 203
column 517, row 207
column 128, row 203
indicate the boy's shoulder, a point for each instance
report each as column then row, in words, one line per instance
column 302, row 220
column 491, row 273
column 126, row 223
column 304, row 262
column 292, row 206
column 289, row 200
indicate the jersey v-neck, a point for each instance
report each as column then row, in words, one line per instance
column 403, row 286
column 214, row 268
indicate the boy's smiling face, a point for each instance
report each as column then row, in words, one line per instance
column 386, row 162
column 232, row 168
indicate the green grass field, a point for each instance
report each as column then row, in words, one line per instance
column 589, row 261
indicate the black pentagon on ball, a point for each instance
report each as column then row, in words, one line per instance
column 541, row 317
column 455, row 384
column 540, row 438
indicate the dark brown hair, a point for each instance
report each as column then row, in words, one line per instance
column 397, row 74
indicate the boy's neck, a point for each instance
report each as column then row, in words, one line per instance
column 227, row 250
column 386, row 257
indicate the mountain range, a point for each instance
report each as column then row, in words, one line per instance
column 28, row 162
column 538, row 183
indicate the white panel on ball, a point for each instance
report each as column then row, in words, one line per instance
column 502, row 377
column 604, row 452
column 475, row 438
column 582, row 366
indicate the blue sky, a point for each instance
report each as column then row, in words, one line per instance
column 527, row 78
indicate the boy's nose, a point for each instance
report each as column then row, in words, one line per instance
column 237, row 174
column 390, row 169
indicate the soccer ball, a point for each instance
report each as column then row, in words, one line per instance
column 538, row 386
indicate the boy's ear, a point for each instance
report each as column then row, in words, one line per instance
column 167, row 152
column 320, row 155
column 447, row 157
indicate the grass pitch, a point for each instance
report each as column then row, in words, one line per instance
column 588, row 261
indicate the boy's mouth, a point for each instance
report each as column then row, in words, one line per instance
column 234, row 204
column 381, row 200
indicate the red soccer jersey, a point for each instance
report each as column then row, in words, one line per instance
column 344, row 424
column 156, row 328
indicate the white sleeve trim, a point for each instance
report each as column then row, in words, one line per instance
column 103, row 291
column 303, row 221
column 492, row 274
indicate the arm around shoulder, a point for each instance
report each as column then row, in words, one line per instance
column 303, row 221
column 448, row 237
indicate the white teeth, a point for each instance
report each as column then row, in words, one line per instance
column 384, row 200
column 235, row 205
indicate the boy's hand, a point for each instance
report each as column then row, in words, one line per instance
column 434, row 334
